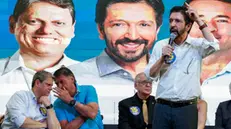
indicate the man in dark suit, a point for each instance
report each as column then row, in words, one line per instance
column 136, row 112
column 223, row 114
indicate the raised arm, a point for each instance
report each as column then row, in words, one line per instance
column 90, row 109
column 63, row 119
column 211, row 44
column 203, row 27
column 52, row 121
column 157, row 64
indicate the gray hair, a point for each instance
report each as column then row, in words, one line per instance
column 41, row 76
column 139, row 75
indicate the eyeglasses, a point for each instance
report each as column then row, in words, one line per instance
column 145, row 82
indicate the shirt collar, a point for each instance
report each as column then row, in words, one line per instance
column 78, row 89
column 225, row 70
column 12, row 63
column 136, row 96
column 188, row 40
column 106, row 65
column 16, row 61
column 32, row 95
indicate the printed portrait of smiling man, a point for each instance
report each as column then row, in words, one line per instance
column 216, row 68
column 217, row 15
column 129, row 28
column 43, row 29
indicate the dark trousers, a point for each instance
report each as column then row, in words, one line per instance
column 166, row 117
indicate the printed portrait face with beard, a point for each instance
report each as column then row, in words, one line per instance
column 129, row 30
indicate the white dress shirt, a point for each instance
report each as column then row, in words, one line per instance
column 216, row 90
column 21, row 105
column 181, row 81
column 15, row 76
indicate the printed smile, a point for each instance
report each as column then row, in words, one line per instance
column 131, row 45
column 44, row 39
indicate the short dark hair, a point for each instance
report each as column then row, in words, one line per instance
column 182, row 10
column 226, row 1
column 64, row 71
column 41, row 76
column 101, row 9
column 22, row 5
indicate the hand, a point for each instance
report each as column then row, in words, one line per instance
column 44, row 122
column 63, row 94
column 44, row 100
column 167, row 50
column 192, row 13
column 1, row 118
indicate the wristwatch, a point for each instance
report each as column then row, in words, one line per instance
column 203, row 26
column 49, row 107
column 72, row 103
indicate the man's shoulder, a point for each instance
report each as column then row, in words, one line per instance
column 162, row 42
column 89, row 62
column 85, row 67
column 228, row 103
column 86, row 87
column 22, row 93
column 152, row 97
column 126, row 101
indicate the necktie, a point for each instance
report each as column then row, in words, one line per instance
column 145, row 111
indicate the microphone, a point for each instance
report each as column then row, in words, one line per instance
column 172, row 58
column 172, row 38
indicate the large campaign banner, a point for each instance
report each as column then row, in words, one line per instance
column 96, row 44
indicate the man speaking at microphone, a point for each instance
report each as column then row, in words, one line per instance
column 179, row 79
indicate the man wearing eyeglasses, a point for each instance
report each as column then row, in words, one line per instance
column 136, row 112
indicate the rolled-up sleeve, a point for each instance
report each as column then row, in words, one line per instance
column 209, row 47
column 16, row 108
column 156, row 54
column 149, row 66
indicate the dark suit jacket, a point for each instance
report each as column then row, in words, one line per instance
column 223, row 115
column 131, row 115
